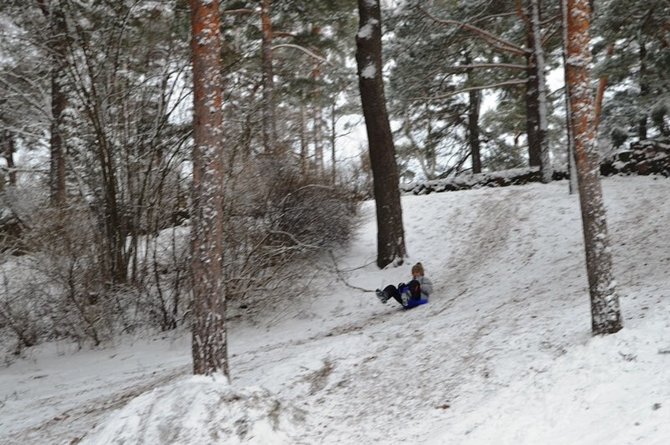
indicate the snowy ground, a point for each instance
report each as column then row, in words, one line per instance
column 502, row 354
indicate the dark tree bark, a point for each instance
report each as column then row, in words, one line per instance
column 390, row 232
column 532, row 109
column 473, row 130
column 538, row 51
column 8, row 150
column 605, row 311
column 474, row 105
column 57, row 45
column 317, row 121
column 269, row 122
column 209, row 344
column 572, row 168
column 304, row 167
column 644, row 90
column 333, row 144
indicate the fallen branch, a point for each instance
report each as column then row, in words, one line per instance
column 341, row 277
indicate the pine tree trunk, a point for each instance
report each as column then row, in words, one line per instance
column 303, row 138
column 473, row 130
column 317, row 123
column 532, row 114
column 58, row 42
column 8, row 153
column 209, row 344
column 605, row 311
column 390, row 232
column 532, row 109
column 572, row 168
column 333, row 144
column 474, row 104
column 644, row 90
column 268, row 112
column 541, row 92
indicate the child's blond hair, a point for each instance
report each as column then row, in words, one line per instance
column 417, row 269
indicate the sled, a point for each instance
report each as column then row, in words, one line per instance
column 411, row 304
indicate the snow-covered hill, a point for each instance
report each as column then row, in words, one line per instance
column 502, row 354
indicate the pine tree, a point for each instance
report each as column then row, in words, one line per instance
column 605, row 311
column 635, row 57
column 209, row 344
column 390, row 232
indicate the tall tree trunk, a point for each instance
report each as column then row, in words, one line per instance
column 8, row 153
column 602, row 86
column 303, row 138
column 532, row 109
column 541, row 91
column 572, row 167
column 113, row 221
column 644, row 90
column 317, row 122
column 390, row 232
column 474, row 105
column 209, row 344
column 57, row 45
column 317, row 127
column 605, row 311
column 333, row 143
column 269, row 122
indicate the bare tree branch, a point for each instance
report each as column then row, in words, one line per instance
column 493, row 40
column 241, row 11
column 513, row 66
column 303, row 49
column 494, row 16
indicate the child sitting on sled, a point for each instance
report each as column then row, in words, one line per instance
column 409, row 295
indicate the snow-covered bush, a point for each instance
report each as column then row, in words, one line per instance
column 64, row 253
column 275, row 218
column 21, row 314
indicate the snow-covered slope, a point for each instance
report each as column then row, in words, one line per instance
column 502, row 354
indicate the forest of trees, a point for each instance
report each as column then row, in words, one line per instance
column 101, row 165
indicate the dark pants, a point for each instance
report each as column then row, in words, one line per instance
column 414, row 290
